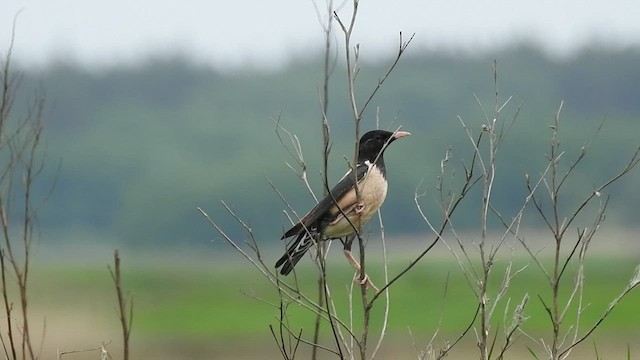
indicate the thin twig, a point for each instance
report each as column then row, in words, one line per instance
column 126, row 313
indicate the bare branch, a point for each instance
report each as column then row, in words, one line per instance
column 102, row 351
column 633, row 283
column 126, row 316
column 401, row 49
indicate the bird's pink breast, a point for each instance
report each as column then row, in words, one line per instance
column 373, row 191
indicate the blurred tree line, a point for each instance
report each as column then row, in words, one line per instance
column 143, row 145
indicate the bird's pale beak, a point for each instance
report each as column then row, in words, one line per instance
column 400, row 134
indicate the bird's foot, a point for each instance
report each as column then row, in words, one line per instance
column 366, row 281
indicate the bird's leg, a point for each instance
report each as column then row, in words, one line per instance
column 356, row 265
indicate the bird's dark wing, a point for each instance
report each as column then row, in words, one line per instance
column 344, row 195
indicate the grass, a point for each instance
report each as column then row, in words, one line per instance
column 209, row 300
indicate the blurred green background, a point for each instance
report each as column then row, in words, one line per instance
column 218, row 307
column 142, row 146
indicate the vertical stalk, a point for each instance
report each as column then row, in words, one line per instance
column 557, row 232
column 322, row 246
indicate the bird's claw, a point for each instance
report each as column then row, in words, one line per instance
column 366, row 281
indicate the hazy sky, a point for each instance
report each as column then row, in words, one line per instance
column 258, row 32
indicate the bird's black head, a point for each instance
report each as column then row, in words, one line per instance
column 373, row 144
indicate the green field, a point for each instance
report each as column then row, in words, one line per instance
column 203, row 308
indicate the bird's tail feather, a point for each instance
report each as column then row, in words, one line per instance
column 294, row 253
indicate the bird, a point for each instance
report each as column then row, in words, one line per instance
column 345, row 210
